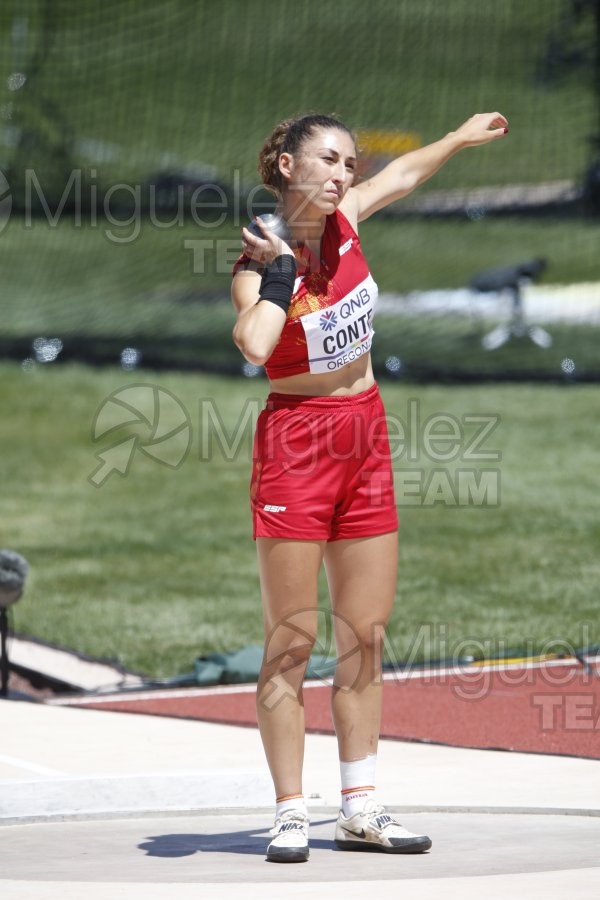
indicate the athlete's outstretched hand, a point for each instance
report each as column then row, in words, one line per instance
column 482, row 128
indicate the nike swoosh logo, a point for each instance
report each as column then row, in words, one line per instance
column 360, row 834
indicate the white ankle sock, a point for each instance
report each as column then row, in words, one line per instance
column 358, row 783
column 291, row 801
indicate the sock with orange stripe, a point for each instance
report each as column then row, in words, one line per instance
column 290, row 801
column 358, row 783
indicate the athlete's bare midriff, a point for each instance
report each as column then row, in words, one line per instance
column 353, row 378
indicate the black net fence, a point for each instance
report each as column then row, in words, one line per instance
column 128, row 137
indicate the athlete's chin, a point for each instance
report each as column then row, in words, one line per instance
column 331, row 202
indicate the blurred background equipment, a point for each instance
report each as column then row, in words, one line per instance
column 510, row 280
column 13, row 572
column 128, row 142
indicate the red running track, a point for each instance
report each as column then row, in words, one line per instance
column 550, row 707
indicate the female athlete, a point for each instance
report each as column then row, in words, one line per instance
column 322, row 487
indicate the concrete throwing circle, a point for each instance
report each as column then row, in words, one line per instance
column 229, row 849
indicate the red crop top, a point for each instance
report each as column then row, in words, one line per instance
column 329, row 322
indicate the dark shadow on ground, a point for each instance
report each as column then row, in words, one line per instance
column 251, row 841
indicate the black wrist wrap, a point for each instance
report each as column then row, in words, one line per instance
column 277, row 283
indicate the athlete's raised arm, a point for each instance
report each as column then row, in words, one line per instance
column 407, row 172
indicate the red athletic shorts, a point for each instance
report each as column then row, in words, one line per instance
column 322, row 468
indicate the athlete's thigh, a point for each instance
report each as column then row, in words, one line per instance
column 289, row 572
column 362, row 577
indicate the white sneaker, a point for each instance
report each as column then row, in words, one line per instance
column 374, row 829
column 290, row 838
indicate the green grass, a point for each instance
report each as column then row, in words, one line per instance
column 154, row 568
column 433, row 253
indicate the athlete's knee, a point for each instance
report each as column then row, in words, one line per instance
column 367, row 637
column 285, row 656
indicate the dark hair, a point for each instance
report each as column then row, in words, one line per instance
column 288, row 137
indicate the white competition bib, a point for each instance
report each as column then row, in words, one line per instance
column 339, row 334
